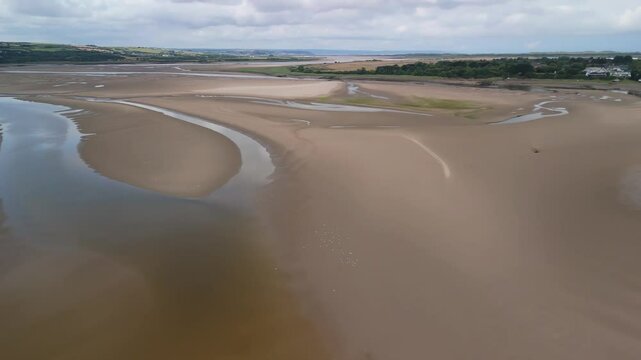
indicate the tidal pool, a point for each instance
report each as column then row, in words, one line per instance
column 540, row 111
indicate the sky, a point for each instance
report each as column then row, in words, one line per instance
column 464, row 26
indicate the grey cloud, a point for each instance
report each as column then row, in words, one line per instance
column 217, row 2
column 317, row 23
column 45, row 8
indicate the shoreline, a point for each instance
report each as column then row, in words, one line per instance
column 126, row 150
column 171, row 263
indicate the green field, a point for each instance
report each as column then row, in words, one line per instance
column 270, row 70
column 582, row 83
column 445, row 104
column 288, row 71
column 414, row 103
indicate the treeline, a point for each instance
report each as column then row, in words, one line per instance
column 635, row 68
column 24, row 53
column 541, row 68
column 15, row 52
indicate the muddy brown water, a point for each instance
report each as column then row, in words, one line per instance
column 91, row 268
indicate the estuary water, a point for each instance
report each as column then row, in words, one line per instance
column 97, row 269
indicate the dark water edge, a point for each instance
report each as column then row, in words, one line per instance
column 92, row 268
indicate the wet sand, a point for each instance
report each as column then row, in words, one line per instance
column 301, row 89
column 152, row 83
column 400, row 236
column 158, row 153
column 96, row 268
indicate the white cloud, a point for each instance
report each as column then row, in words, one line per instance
column 631, row 18
column 533, row 45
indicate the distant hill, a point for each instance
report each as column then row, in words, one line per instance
column 11, row 52
column 253, row 52
column 401, row 53
column 599, row 54
column 25, row 52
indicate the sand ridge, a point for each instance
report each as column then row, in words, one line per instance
column 153, row 152
column 307, row 89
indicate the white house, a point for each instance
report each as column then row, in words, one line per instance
column 601, row 72
column 618, row 72
column 596, row 72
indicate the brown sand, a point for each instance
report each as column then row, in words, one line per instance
column 505, row 251
column 447, row 238
column 516, row 255
column 284, row 90
column 153, row 84
column 154, row 152
column 484, row 103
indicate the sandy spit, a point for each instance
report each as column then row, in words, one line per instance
column 152, row 151
column 272, row 89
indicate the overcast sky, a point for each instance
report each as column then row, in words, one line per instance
column 446, row 25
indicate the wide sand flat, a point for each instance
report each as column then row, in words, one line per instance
column 152, row 83
column 301, row 89
column 154, row 152
column 411, row 241
column 406, row 236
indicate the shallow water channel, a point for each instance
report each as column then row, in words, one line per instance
column 94, row 268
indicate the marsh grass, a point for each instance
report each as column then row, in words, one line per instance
column 462, row 108
column 446, row 104
column 269, row 70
